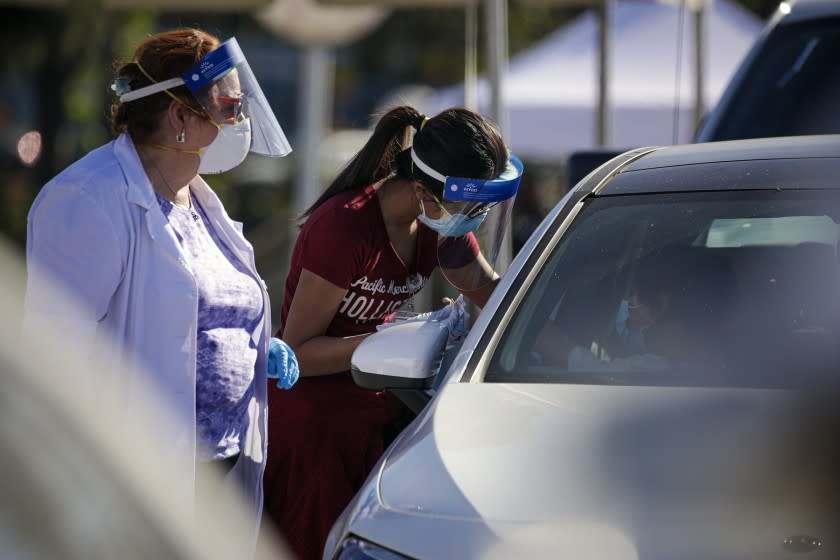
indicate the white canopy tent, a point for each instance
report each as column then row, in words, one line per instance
column 551, row 90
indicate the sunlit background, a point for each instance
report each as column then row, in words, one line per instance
column 327, row 68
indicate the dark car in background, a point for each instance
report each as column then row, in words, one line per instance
column 789, row 82
column 787, row 85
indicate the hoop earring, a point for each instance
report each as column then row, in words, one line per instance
column 182, row 137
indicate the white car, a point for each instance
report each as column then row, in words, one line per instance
column 638, row 386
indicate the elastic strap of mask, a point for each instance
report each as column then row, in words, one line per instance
column 176, row 150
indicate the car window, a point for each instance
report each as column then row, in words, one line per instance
column 787, row 230
column 795, row 87
column 667, row 289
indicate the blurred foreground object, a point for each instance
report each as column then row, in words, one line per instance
column 84, row 483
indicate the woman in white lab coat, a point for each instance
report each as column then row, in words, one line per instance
column 162, row 283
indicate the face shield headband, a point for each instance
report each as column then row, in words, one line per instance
column 479, row 192
column 467, row 255
column 215, row 68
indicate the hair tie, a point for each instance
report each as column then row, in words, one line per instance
column 422, row 120
column 121, row 85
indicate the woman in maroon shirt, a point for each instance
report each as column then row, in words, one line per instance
column 363, row 250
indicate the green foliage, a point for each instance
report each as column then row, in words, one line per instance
column 133, row 28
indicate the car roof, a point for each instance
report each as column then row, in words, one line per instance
column 820, row 146
column 757, row 164
column 801, row 10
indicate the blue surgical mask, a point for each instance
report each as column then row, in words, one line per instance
column 453, row 225
column 621, row 317
column 632, row 340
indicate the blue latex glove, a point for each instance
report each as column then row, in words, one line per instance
column 458, row 319
column 454, row 314
column 282, row 364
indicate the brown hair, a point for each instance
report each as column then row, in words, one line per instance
column 455, row 142
column 163, row 56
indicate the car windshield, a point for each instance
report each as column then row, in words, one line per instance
column 794, row 90
column 699, row 289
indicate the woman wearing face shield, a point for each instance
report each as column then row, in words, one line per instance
column 163, row 281
column 367, row 245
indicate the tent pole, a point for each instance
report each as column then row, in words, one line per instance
column 471, row 55
column 497, row 46
column 699, row 105
column 603, row 14
column 497, row 51
column 317, row 87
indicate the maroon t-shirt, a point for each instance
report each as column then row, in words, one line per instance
column 325, row 433
column 346, row 243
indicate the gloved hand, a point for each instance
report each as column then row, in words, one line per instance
column 438, row 315
column 454, row 314
column 458, row 319
column 282, row 364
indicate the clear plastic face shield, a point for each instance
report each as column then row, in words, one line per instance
column 471, row 220
column 225, row 86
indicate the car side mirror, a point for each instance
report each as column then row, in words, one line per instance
column 402, row 359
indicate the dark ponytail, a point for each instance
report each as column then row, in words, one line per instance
column 375, row 160
column 456, row 142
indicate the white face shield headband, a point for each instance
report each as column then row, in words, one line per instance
column 467, row 201
column 225, row 86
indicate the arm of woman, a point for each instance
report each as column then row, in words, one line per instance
column 74, row 262
column 465, row 267
column 478, row 275
column 74, row 266
column 313, row 308
column 480, row 296
column 487, row 281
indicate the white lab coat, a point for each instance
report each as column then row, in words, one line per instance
column 97, row 228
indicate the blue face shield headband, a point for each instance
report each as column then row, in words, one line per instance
column 476, row 197
column 484, row 191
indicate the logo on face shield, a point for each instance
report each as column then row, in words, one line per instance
column 205, row 66
column 471, row 188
